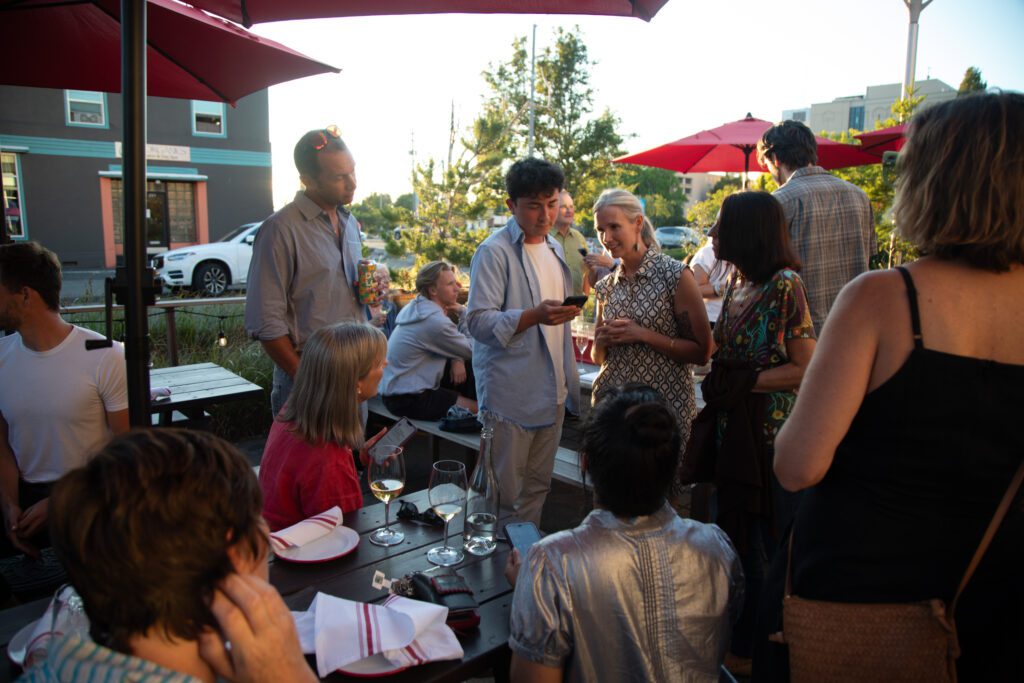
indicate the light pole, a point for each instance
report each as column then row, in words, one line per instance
column 533, row 85
column 914, row 7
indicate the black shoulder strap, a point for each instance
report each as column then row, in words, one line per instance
column 915, row 318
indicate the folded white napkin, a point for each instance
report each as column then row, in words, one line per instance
column 156, row 392
column 45, row 632
column 407, row 632
column 307, row 530
column 40, row 639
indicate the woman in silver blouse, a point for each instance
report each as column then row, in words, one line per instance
column 635, row 593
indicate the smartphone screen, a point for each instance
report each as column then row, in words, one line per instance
column 522, row 535
column 401, row 432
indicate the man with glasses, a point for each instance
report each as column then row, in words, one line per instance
column 304, row 262
column 829, row 219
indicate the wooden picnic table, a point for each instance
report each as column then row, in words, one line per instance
column 197, row 387
column 350, row 577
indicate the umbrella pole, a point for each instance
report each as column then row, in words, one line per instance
column 133, row 94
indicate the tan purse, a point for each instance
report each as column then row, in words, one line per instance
column 913, row 642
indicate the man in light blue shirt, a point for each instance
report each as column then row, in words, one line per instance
column 522, row 351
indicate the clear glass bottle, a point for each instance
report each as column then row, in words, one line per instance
column 482, row 500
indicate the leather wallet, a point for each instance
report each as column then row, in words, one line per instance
column 450, row 589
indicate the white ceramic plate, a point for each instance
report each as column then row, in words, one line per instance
column 370, row 667
column 339, row 542
column 16, row 648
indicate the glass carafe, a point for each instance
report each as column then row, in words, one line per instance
column 482, row 499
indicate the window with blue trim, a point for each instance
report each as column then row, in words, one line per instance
column 856, row 118
column 85, row 108
column 14, row 210
column 208, row 119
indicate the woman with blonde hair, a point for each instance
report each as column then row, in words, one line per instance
column 651, row 322
column 429, row 356
column 307, row 464
column 905, row 434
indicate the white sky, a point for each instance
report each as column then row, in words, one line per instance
column 697, row 65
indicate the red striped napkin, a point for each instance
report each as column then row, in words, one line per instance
column 307, row 530
column 406, row 632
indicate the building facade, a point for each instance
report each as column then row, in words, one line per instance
column 860, row 112
column 207, row 163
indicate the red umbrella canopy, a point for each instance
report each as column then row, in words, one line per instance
column 249, row 12
column 190, row 54
column 732, row 148
column 883, row 140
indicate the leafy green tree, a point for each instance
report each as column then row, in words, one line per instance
column 663, row 195
column 406, row 201
column 566, row 130
column 370, row 212
column 728, row 180
column 703, row 214
column 972, row 82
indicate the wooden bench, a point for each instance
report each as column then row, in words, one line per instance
column 567, row 465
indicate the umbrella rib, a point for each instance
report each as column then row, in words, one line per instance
column 173, row 61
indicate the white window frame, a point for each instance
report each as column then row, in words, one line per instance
column 210, row 108
column 90, row 97
column 19, row 187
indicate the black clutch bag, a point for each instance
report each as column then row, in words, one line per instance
column 446, row 587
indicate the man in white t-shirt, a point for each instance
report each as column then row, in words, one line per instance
column 522, row 351
column 58, row 402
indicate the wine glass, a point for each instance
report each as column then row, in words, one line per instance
column 447, row 495
column 577, row 336
column 386, row 473
column 584, row 335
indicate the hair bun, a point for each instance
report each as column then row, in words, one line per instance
column 650, row 423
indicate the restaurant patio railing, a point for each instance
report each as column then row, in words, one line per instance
column 169, row 308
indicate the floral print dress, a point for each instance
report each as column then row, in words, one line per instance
column 756, row 329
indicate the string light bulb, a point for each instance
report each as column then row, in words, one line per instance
column 222, row 339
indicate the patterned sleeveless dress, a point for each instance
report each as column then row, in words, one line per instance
column 648, row 297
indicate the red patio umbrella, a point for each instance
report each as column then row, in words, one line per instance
column 249, row 12
column 883, row 140
column 190, row 54
column 728, row 149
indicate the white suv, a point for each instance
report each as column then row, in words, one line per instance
column 209, row 269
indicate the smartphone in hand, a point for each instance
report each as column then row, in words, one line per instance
column 577, row 301
column 399, row 434
column 522, row 535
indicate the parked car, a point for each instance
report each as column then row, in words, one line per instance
column 209, row 269
column 678, row 236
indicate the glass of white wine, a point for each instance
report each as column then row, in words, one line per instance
column 386, row 472
column 447, row 495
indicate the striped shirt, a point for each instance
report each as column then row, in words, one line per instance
column 833, row 232
column 74, row 660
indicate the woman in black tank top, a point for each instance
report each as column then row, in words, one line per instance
column 908, row 429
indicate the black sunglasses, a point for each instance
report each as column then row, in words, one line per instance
column 409, row 512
